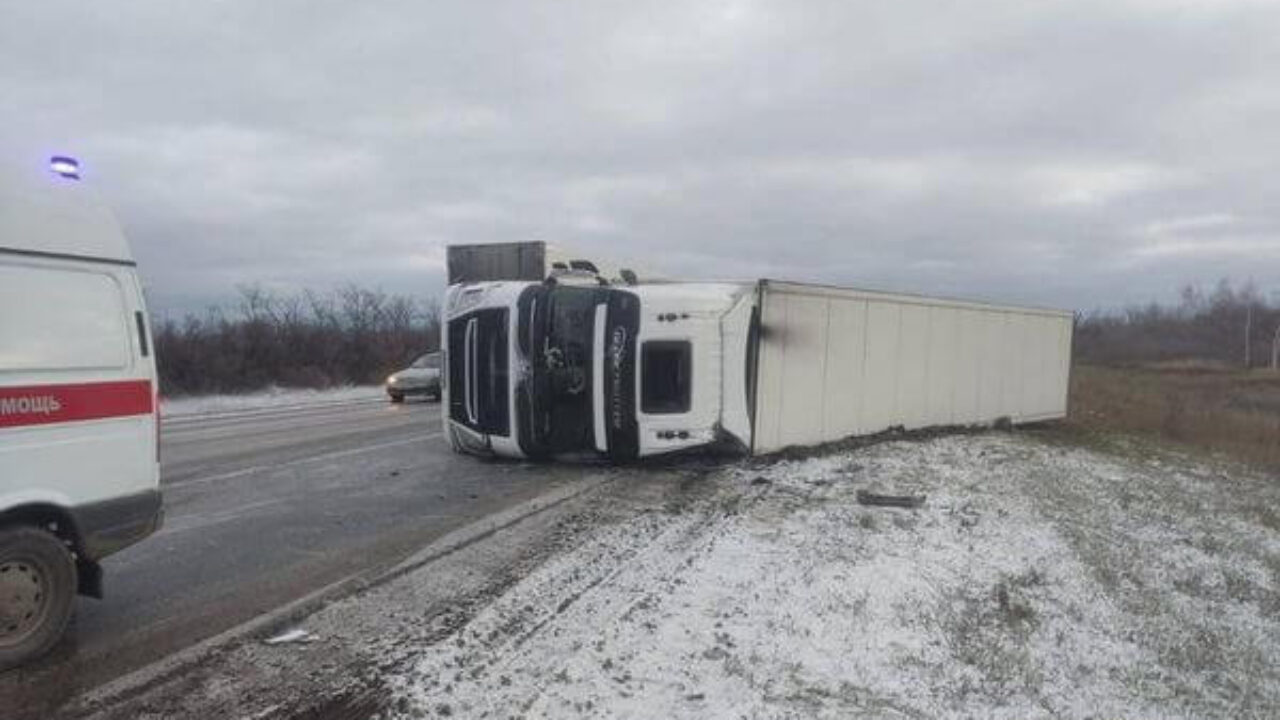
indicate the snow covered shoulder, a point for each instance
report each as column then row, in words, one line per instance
column 1042, row 576
column 1038, row 579
column 272, row 398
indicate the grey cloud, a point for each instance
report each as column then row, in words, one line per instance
column 1054, row 153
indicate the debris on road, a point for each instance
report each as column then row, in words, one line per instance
column 297, row 635
column 901, row 501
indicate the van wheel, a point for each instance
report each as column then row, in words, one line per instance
column 37, row 592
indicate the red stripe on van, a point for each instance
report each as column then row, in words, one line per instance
column 49, row 404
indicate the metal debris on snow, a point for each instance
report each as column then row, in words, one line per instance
column 902, row 501
column 297, row 635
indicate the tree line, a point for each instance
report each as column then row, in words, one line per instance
column 1234, row 326
column 355, row 335
column 351, row 335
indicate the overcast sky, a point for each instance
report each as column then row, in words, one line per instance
column 1075, row 154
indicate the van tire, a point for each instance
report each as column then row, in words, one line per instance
column 37, row 569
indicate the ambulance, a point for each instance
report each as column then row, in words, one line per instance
column 79, row 424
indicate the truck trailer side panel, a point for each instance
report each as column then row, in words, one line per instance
column 837, row 362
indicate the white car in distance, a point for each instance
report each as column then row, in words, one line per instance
column 422, row 377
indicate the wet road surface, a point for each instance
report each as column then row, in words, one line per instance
column 263, row 507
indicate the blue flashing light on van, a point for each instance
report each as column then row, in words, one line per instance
column 65, row 166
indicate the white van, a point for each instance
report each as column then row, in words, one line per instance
column 79, row 465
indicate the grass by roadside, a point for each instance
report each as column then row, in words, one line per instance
column 1227, row 411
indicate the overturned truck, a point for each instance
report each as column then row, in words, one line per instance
column 574, row 365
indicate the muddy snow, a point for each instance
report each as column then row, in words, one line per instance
column 1040, row 578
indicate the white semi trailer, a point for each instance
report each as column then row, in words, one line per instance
column 567, row 366
column 836, row 362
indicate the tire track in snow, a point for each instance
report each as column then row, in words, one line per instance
column 516, row 625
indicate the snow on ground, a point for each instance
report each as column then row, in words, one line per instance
column 272, row 397
column 1040, row 579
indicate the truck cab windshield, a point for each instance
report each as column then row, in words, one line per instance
column 557, row 325
column 479, row 394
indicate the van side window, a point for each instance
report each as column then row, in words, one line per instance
column 666, row 369
column 142, row 333
column 61, row 320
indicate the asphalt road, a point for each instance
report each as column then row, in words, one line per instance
column 263, row 507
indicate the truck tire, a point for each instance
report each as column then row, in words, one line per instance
column 37, row 593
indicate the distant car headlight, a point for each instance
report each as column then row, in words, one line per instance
column 392, row 379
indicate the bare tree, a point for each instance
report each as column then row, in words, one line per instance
column 1200, row 327
column 1275, row 349
column 352, row 335
column 1248, row 332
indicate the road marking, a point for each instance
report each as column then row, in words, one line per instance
column 200, row 434
column 278, row 411
column 204, row 521
column 298, row 461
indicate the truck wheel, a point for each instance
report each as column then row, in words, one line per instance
column 37, row 592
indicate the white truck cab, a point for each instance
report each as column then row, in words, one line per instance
column 570, row 366
column 79, row 465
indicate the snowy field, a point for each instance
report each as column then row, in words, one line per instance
column 273, row 397
column 1040, row 579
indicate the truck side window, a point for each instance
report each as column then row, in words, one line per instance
column 666, row 375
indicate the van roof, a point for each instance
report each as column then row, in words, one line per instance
column 42, row 212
